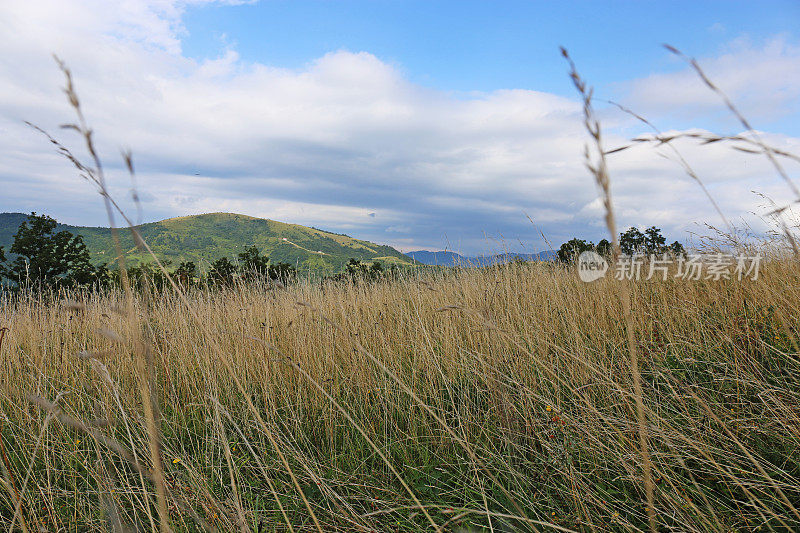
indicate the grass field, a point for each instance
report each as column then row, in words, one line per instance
column 506, row 398
column 495, row 399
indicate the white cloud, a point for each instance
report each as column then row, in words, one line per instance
column 763, row 80
column 328, row 144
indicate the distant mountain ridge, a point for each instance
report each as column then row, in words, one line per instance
column 204, row 238
column 445, row 258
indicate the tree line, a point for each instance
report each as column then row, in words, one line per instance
column 631, row 242
column 45, row 258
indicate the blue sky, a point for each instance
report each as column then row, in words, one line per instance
column 417, row 124
column 469, row 46
column 482, row 46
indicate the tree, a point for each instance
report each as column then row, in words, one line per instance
column 654, row 242
column 632, row 242
column 146, row 275
column 571, row 249
column 677, row 249
column 393, row 272
column 49, row 258
column 252, row 264
column 222, row 271
column 283, row 272
column 604, row 248
column 355, row 268
column 186, row 273
column 376, row 270
column 361, row 271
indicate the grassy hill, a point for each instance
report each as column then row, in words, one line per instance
column 204, row 238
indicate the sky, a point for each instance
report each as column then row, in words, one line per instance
column 418, row 124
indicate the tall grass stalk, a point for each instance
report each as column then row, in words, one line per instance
column 531, row 394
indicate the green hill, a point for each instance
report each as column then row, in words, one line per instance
column 204, row 238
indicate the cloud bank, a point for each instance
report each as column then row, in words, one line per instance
column 348, row 143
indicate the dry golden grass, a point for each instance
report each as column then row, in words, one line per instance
column 522, row 410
